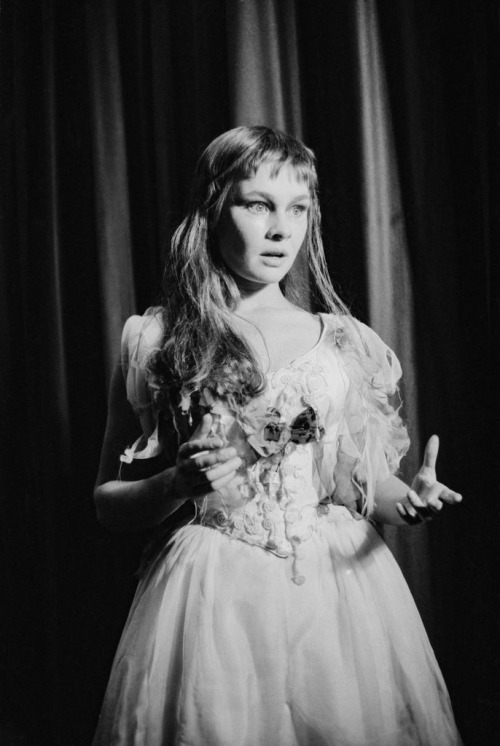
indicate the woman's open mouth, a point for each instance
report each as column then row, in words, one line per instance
column 273, row 258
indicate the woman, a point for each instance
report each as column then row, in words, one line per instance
column 276, row 615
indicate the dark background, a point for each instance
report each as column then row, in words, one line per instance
column 105, row 108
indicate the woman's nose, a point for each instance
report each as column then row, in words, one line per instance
column 279, row 227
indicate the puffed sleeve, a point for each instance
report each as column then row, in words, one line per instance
column 372, row 436
column 140, row 338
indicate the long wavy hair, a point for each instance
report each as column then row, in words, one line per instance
column 200, row 348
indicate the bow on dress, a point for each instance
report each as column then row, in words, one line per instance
column 304, row 428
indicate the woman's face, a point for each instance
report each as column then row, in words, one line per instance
column 263, row 226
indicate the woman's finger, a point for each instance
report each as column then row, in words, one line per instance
column 431, row 452
column 198, row 482
column 450, row 497
column 222, row 482
column 196, row 447
column 210, row 484
column 420, row 508
column 203, row 428
column 415, row 500
column 204, row 460
column 223, row 470
column 410, row 515
column 417, row 510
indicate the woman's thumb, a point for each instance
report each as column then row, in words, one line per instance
column 204, row 427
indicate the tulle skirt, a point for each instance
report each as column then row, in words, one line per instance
column 221, row 648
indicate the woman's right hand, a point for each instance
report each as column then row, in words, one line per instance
column 143, row 503
column 204, row 463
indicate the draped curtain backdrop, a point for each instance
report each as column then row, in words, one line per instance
column 106, row 105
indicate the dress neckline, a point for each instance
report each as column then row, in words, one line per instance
column 295, row 360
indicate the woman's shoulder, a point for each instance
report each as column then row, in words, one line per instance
column 364, row 352
column 150, row 322
column 141, row 335
column 349, row 330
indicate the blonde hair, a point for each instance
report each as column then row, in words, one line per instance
column 200, row 348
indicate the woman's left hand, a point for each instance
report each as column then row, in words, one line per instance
column 426, row 496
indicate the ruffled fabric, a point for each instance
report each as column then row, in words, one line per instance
column 141, row 337
column 372, row 437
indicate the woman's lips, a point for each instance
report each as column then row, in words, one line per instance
column 273, row 259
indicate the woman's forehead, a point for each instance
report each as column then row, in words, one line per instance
column 276, row 176
column 274, row 164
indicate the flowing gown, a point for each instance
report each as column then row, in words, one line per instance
column 278, row 616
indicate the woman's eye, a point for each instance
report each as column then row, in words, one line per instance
column 257, row 207
column 298, row 210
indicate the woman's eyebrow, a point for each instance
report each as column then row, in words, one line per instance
column 270, row 197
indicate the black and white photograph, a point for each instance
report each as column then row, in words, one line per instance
column 250, row 311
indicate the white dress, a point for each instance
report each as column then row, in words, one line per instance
column 279, row 617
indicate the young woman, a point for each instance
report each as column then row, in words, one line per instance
column 276, row 615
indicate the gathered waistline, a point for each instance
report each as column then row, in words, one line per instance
column 280, row 535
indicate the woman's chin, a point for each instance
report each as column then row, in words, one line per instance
column 267, row 275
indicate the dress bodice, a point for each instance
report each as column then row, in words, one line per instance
column 287, row 440
column 321, row 434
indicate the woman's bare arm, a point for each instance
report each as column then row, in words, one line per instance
column 203, row 466
column 128, row 505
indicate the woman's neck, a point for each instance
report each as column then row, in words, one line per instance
column 255, row 298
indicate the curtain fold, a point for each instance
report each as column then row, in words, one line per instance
column 388, row 271
column 113, row 234
column 263, row 64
